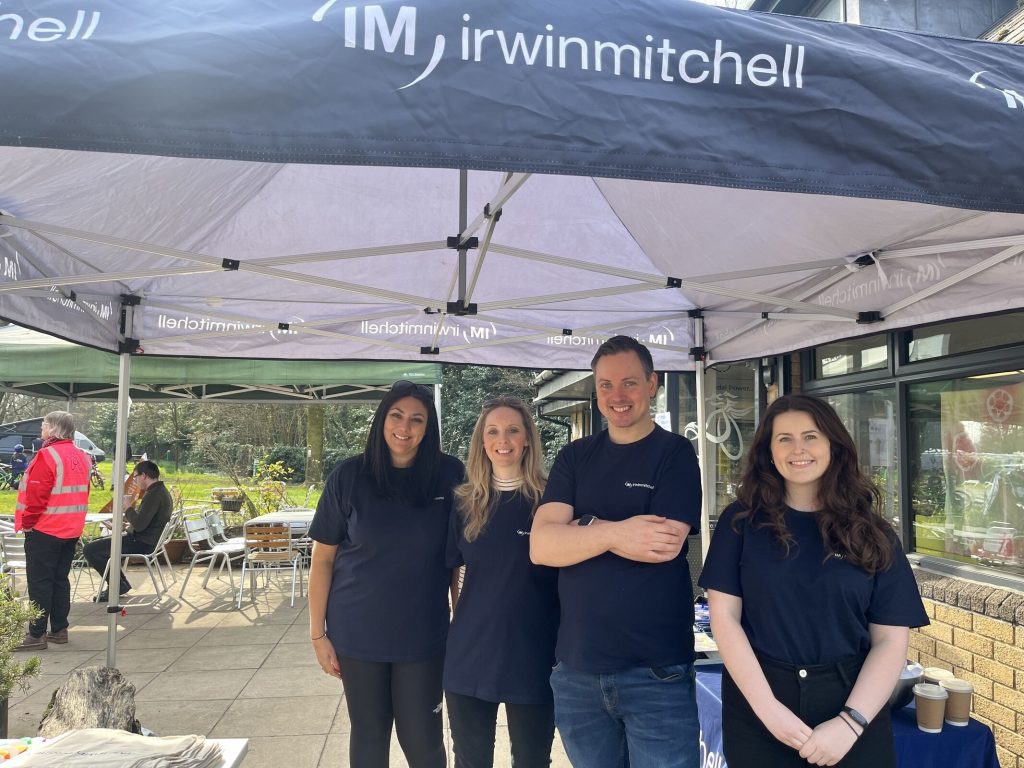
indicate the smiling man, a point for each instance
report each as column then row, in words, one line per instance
column 614, row 518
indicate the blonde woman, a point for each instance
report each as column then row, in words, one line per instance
column 501, row 644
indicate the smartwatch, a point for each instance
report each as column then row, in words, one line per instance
column 586, row 520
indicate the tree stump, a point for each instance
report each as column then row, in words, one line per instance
column 94, row 697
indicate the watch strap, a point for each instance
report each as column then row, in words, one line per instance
column 856, row 716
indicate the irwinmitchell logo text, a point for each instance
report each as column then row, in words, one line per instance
column 989, row 82
column 648, row 486
column 48, row 29
column 653, row 58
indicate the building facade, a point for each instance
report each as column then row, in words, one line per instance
column 937, row 413
column 954, row 18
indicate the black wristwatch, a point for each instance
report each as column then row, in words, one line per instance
column 587, row 520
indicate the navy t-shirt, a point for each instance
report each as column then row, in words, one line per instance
column 501, row 645
column 619, row 614
column 389, row 589
column 799, row 609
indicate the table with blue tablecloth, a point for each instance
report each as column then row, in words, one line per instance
column 972, row 746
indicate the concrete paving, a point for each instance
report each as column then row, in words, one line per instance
column 202, row 666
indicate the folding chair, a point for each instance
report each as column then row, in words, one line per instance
column 12, row 548
column 153, row 558
column 81, row 565
column 217, row 533
column 269, row 547
column 205, row 550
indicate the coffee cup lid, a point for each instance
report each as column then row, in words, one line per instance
column 957, row 685
column 938, row 673
column 930, row 691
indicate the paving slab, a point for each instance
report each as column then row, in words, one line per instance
column 277, row 682
column 201, row 665
column 177, row 637
column 202, row 685
column 290, row 716
column 170, row 718
column 141, row 659
column 278, row 751
column 265, row 634
column 222, row 657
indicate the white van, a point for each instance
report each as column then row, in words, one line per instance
column 89, row 447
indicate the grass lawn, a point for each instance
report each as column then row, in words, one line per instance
column 195, row 488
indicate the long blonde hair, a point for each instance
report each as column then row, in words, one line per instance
column 477, row 497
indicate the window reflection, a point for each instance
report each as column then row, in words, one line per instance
column 870, row 418
column 840, row 358
column 967, row 469
column 731, row 418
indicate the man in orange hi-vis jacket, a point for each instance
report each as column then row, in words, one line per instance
column 53, row 498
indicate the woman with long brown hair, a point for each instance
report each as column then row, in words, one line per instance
column 811, row 600
column 501, row 644
column 378, row 581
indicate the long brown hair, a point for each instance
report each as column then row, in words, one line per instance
column 476, row 497
column 850, row 518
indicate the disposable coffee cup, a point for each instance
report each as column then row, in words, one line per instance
column 958, row 705
column 931, row 706
column 936, row 675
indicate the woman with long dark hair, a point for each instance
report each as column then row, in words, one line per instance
column 501, row 644
column 811, row 600
column 378, row 581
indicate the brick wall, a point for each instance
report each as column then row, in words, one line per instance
column 977, row 632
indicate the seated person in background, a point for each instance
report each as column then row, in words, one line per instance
column 19, row 463
column 146, row 519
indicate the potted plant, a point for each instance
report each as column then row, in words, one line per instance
column 14, row 617
column 230, row 498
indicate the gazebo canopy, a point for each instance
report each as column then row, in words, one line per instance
column 501, row 183
column 44, row 366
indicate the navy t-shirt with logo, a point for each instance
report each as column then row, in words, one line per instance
column 501, row 645
column 389, row 589
column 805, row 608
column 616, row 613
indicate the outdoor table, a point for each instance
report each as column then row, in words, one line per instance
column 232, row 752
column 296, row 517
column 972, row 746
column 103, row 518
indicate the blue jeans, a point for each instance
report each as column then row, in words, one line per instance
column 640, row 718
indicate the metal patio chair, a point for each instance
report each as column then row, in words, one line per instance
column 205, row 549
column 217, row 532
column 151, row 560
column 12, row 551
column 269, row 547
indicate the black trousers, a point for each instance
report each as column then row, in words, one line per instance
column 47, row 570
column 97, row 553
column 531, row 729
column 407, row 694
column 815, row 697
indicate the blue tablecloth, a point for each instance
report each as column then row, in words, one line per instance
column 971, row 747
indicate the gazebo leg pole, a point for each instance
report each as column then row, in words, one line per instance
column 124, row 379
column 702, row 443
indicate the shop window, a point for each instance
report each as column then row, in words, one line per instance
column 942, row 339
column 966, row 464
column 832, row 10
column 871, row 419
column 842, row 358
